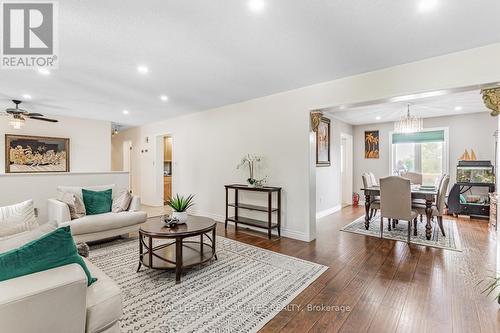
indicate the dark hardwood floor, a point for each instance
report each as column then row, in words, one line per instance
column 387, row 286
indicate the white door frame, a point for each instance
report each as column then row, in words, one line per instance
column 346, row 174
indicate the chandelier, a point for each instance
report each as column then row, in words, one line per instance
column 408, row 123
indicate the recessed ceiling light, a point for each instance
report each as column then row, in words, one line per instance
column 26, row 96
column 164, row 98
column 378, row 117
column 43, row 71
column 342, row 107
column 125, row 112
column 458, row 108
column 256, row 6
column 142, row 69
column 427, row 5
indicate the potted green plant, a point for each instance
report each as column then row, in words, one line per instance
column 492, row 283
column 180, row 204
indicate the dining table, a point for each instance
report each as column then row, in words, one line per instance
column 417, row 192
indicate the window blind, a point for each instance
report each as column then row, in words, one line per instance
column 419, row 137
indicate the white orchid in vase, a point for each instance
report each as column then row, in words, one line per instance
column 251, row 161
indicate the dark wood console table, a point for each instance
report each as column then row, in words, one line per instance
column 269, row 224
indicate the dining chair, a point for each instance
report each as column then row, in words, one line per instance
column 414, row 177
column 374, row 200
column 373, row 178
column 395, row 202
column 440, row 205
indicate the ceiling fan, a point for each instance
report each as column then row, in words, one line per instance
column 18, row 116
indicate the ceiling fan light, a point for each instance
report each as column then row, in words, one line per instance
column 16, row 123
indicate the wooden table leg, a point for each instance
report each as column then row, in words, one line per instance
column 367, row 211
column 140, row 252
column 150, row 252
column 178, row 260
column 213, row 244
column 227, row 208
column 269, row 213
column 201, row 245
column 428, row 212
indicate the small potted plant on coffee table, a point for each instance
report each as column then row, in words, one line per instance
column 180, row 205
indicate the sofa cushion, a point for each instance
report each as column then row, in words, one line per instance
column 107, row 221
column 104, row 301
column 17, row 218
column 55, row 249
column 122, row 201
column 75, row 204
column 22, row 238
column 97, row 202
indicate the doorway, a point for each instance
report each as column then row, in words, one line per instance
column 167, row 168
column 127, row 165
column 346, row 168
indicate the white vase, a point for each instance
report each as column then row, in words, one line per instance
column 181, row 216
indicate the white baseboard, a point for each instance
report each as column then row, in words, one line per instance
column 328, row 211
column 284, row 232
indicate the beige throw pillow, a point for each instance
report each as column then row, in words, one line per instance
column 121, row 202
column 75, row 204
column 17, row 218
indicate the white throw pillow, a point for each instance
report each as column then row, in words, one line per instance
column 122, row 201
column 22, row 238
column 17, row 218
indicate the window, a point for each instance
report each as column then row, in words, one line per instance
column 423, row 152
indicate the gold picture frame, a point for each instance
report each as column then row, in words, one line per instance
column 36, row 154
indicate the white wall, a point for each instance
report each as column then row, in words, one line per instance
column 90, row 140
column 328, row 179
column 207, row 145
column 471, row 131
column 16, row 188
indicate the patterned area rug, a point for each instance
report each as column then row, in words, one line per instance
column 400, row 233
column 239, row 292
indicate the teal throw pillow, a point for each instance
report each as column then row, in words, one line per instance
column 97, row 202
column 52, row 250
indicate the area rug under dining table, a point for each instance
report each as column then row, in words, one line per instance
column 239, row 292
column 400, row 233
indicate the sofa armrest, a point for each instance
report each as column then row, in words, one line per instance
column 135, row 204
column 58, row 211
column 27, row 302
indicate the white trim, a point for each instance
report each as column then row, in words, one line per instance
column 302, row 236
column 328, row 211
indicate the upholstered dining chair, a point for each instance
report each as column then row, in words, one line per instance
column 414, row 177
column 373, row 178
column 395, row 202
column 375, row 200
column 439, row 207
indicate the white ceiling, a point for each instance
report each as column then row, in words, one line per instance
column 438, row 106
column 204, row 54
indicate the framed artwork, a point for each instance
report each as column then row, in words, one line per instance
column 372, row 144
column 323, row 143
column 33, row 154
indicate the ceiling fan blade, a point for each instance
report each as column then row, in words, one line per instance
column 34, row 114
column 45, row 119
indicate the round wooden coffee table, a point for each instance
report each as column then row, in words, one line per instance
column 178, row 252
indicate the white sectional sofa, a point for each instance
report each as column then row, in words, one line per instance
column 101, row 226
column 58, row 301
